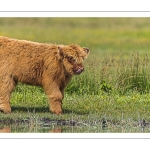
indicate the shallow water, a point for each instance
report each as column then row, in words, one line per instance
column 40, row 129
column 62, row 126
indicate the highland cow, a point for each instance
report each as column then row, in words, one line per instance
column 48, row 65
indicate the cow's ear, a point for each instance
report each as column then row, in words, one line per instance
column 60, row 48
column 86, row 50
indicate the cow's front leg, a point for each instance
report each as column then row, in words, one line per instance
column 55, row 102
column 55, row 97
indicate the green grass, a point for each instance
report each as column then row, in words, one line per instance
column 116, row 83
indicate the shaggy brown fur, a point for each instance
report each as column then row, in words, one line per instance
column 47, row 65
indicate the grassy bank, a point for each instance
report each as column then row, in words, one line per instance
column 115, row 85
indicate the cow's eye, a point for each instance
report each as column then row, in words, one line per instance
column 70, row 58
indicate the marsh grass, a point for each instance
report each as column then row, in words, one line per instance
column 125, row 75
column 135, row 75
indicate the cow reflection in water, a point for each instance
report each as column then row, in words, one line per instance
column 7, row 129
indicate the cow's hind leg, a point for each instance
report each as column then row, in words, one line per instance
column 7, row 85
